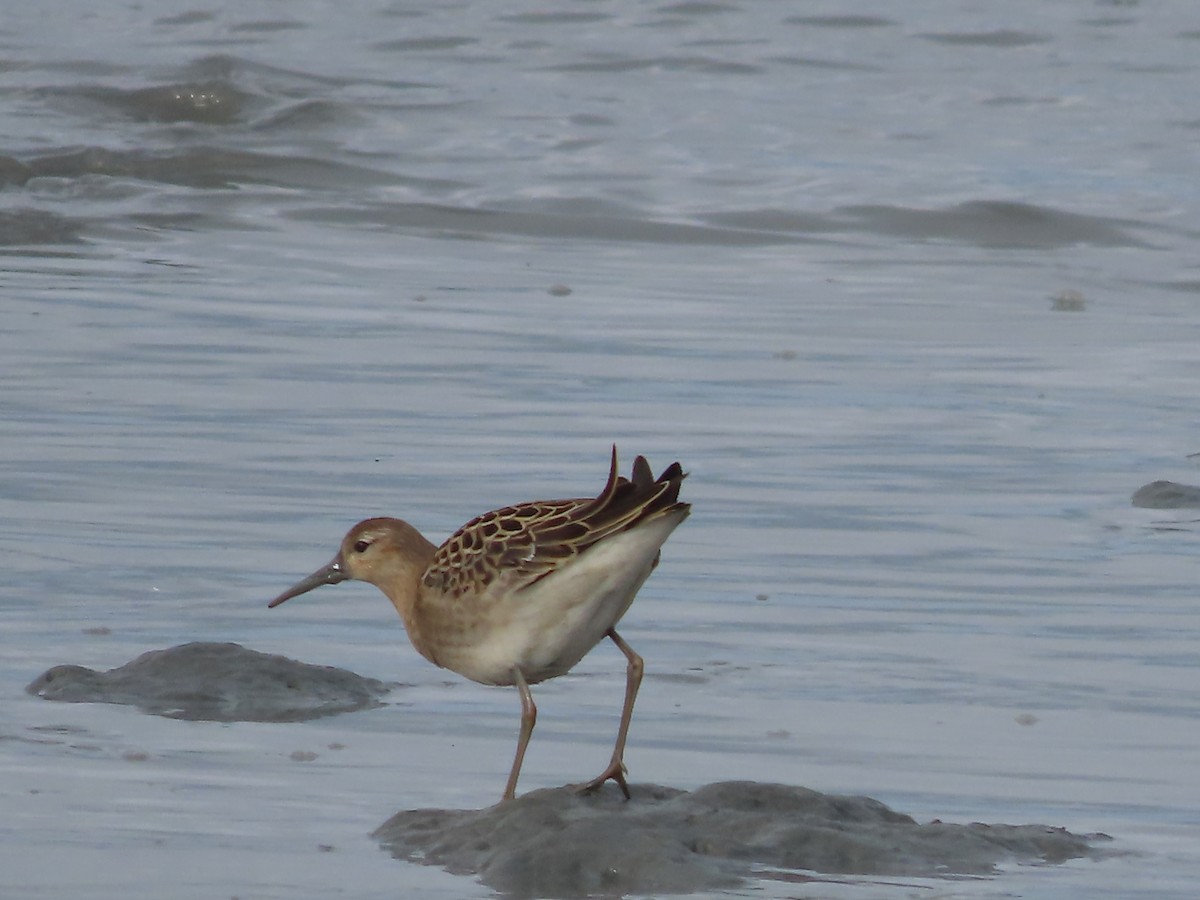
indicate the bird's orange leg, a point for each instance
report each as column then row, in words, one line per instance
column 633, row 680
column 528, row 720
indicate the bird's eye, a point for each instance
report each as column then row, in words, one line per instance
column 361, row 546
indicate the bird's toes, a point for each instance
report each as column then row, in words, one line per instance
column 615, row 772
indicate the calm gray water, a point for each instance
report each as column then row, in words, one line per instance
column 911, row 289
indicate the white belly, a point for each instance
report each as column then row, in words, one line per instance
column 548, row 627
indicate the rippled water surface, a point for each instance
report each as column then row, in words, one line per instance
column 911, row 290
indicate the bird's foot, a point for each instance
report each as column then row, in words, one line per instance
column 615, row 772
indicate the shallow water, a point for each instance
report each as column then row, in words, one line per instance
column 911, row 294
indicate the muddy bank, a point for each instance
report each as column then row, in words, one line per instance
column 215, row 682
column 557, row 843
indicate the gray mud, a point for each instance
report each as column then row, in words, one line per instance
column 215, row 682
column 559, row 843
column 1166, row 495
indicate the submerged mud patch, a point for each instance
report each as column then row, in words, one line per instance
column 1166, row 495
column 559, row 843
column 215, row 682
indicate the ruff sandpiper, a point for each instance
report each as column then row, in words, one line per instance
column 521, row 594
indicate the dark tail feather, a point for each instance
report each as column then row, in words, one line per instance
column 614, row 482
column 674, row 475
column 643, row 478
column 642, row 492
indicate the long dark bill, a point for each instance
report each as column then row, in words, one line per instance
column 330, row 574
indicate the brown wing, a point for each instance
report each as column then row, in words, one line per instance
column 531, row 540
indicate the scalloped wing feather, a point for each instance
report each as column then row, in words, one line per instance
column 524, row 543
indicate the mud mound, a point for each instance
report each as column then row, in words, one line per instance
column 1166, row 495
column 558, row 843
column 215, row 682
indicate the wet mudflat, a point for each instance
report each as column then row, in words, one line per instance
column 559, row 842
